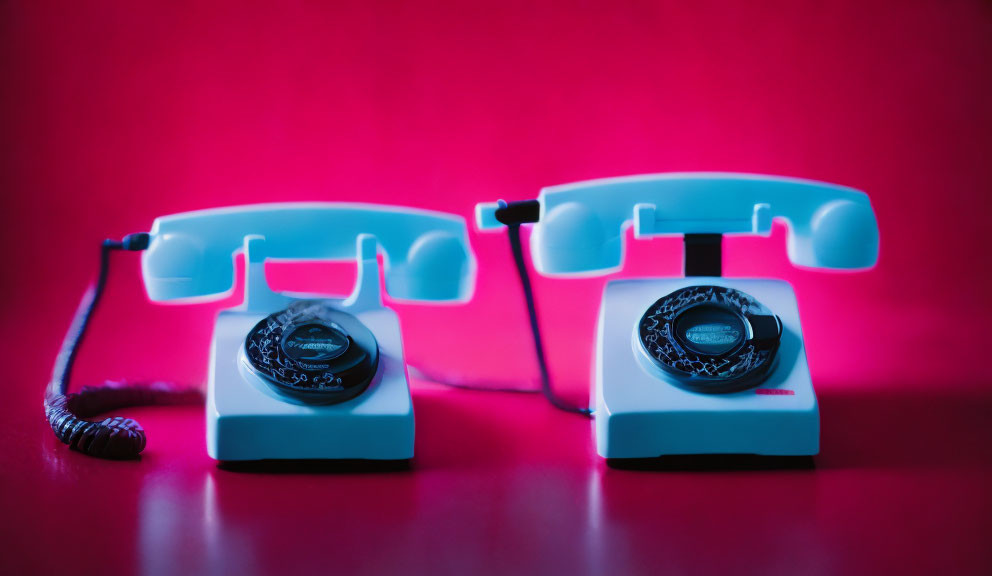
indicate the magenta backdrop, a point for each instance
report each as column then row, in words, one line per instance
column 113, row 114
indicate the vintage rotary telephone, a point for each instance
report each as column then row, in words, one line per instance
column 701, row 364
column 291, row 376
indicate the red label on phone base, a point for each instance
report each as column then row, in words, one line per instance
column 774, row 392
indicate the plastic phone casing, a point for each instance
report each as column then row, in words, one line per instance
column 426, row 256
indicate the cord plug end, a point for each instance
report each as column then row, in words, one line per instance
column 136, row 242
column 523, row 212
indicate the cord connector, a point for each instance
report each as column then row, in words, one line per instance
column 522, row 212
column 136, row 242
column 132, row 242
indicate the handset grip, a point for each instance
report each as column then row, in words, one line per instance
column 427, row 255
column 581, row 224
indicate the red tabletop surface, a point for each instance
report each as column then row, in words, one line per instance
column 113, row 114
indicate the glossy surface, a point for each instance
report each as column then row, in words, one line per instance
column 115, row 113
column 901, row 487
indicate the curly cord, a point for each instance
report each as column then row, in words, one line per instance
column 124, row 438
column 116, row 437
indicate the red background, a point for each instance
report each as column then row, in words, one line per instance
column 113, row 114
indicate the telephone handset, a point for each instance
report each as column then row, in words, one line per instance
column 701, row 364
column 580, row 226
column 290, row 377
column 426, row 253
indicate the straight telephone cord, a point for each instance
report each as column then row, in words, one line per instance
column 535, row 329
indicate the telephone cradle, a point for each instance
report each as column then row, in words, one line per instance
column 265, row 410
column 703, row 364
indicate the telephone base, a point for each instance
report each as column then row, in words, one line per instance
column 641, row 413
column 248, row 420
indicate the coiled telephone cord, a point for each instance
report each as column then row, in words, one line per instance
column 114, row 438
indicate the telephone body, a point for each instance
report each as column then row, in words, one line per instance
column 702, row 364
column 426, row 257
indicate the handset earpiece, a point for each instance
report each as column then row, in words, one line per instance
column 843, row 235
column 437, row 267
column 573, row 239
column 181, row 268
